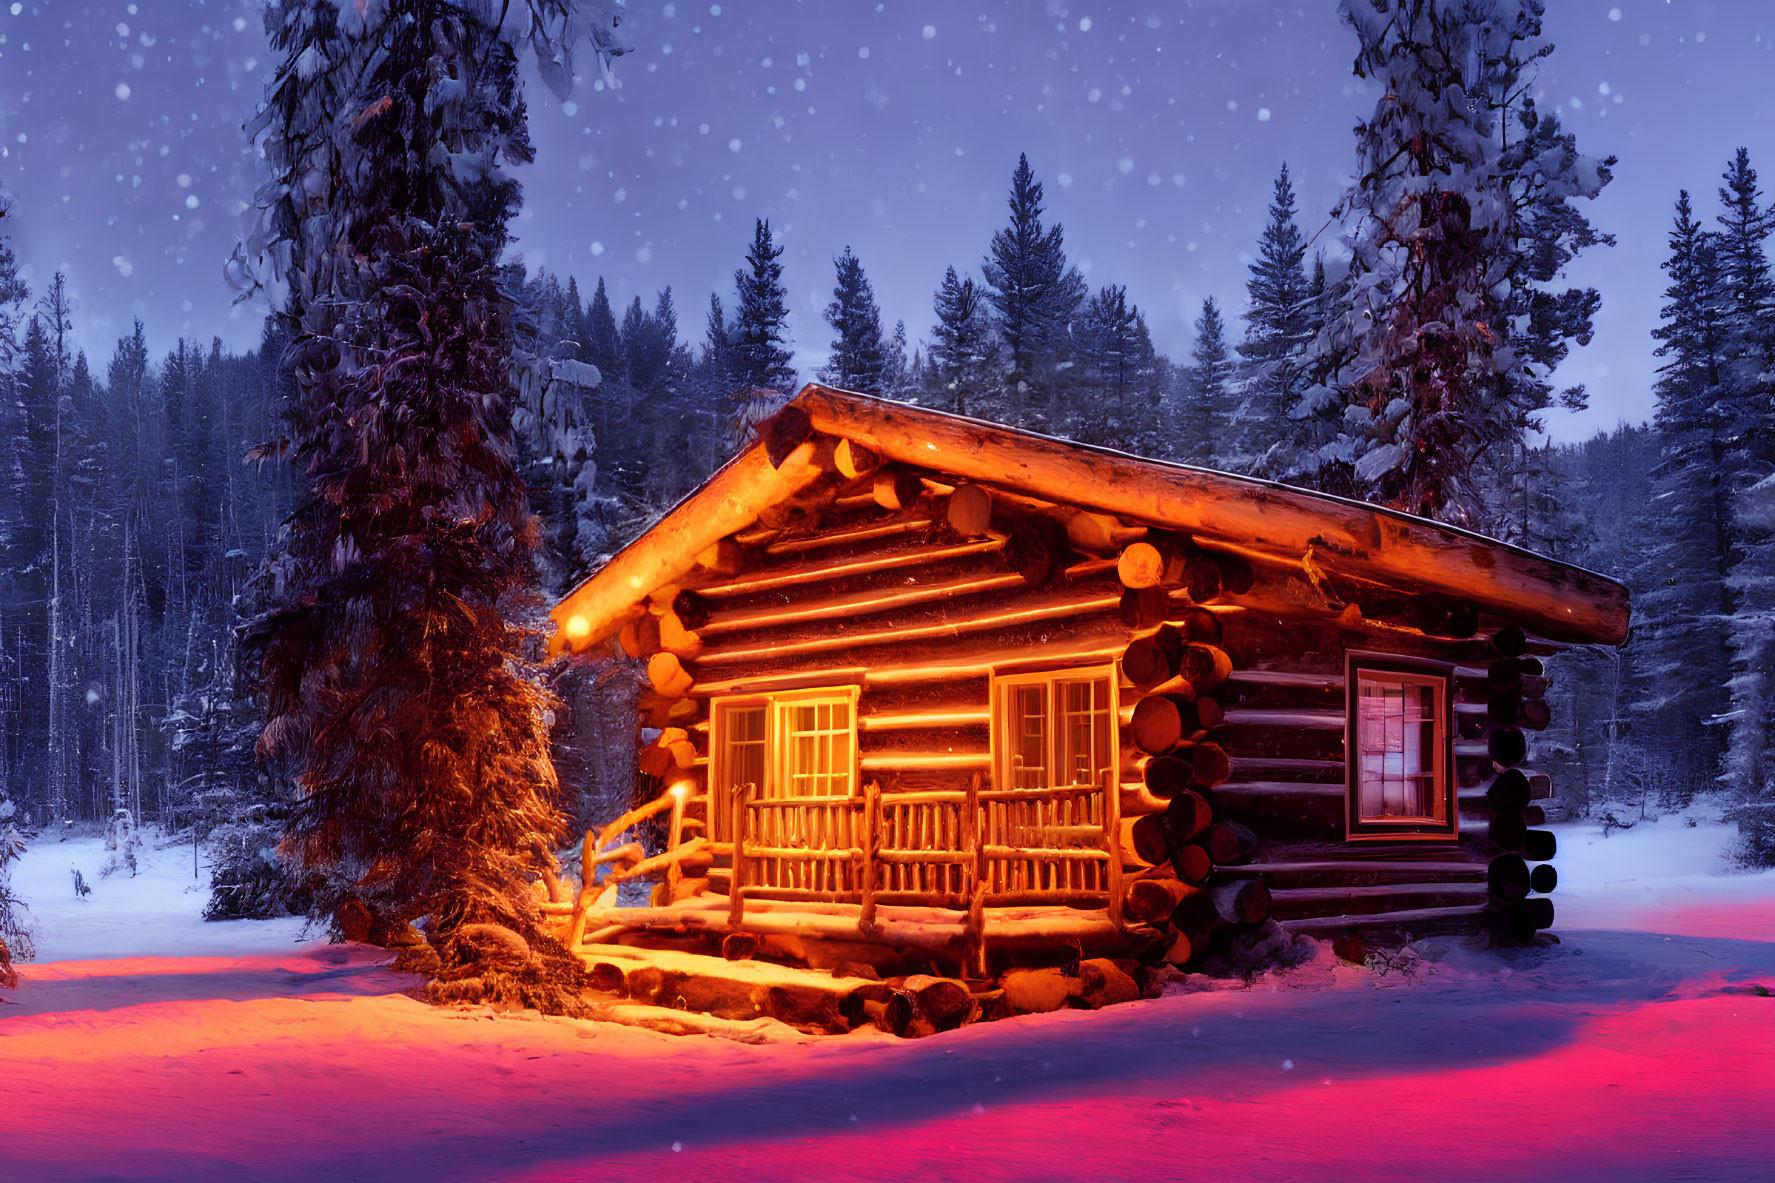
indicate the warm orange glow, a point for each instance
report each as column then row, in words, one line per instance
column 680, row 789
column 578, row 626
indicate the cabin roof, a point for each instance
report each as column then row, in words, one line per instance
column 1260, row 519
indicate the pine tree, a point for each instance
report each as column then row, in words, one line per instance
column 1278, row 330
column 964, row 348
column 388, row 666
column 1436, row 364
column 1746, row 404
column 602, row 345
column 1206, row 417
column 574, row 319
column 759, row 348
column 899, row 372
column 1035, row 295
column 1681, row 597
column 858, row 360
column 1108, row 350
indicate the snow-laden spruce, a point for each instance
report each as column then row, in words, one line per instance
column 1438, row 356
column 395, row 699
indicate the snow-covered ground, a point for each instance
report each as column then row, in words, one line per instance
column 157, row 912
column 1638, row 1048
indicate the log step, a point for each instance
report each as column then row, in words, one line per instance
column 1307, row 902
column 806, row 999
column 1416, row 921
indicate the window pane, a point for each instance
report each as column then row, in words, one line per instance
column 1026, row 726
column 743, row 728
column 1084, row 730
column 817, row 744
column 1396, row 731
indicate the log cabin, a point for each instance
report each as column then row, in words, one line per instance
column 926, row 690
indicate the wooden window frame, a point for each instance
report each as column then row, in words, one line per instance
column 1406, row 671
column 775, row 750
column 1000, row 754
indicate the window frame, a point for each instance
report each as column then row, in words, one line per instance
column 1001, row 682
column 1390, row 667
column 776, row 752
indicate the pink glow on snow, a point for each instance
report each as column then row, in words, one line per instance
column 1637, row 1049
column 308, row 1065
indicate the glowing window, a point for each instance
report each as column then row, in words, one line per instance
column 1053, row 730
column 1399, row 752
column 797, row 744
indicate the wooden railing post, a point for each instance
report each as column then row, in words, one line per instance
column 973, row 884
column 1112, row 841
column 871, row 845
column 736, row 902
column 674, row 833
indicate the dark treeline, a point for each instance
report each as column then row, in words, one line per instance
column 131, row 533
column 1411, row 365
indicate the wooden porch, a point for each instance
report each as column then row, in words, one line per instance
column 961, row 876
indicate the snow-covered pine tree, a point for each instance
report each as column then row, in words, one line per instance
column 1036, row 295
column 1592, row 504
column 1438, row 358
column 1278, row 328
column 899, row 371
column 759, row 337
column 859, row 360
column 1107, row 350
column 389, row 667
column 1746, row 400
column 1681, row 599
column 964, row 347
column 755, row 345
column 602, row 345
column 1205, row 416
column 574, row 314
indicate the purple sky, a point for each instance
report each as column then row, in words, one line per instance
column 1156, row 125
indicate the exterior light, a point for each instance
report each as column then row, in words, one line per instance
column 578, row 626
column 679, row 789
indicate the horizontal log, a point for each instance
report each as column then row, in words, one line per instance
column 1303, row 902
column 1282, row 810
column 872, row 529
column 1418, row 921
column 826, row 570
column 881, row 761
column 1333, row 683
column 1325, row 720
column 914, row 719
column 961, row 658
column 943, row 620
column 866, row 602
column 1287, row 768
column 1354, row 872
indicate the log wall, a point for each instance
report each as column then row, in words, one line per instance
column 1230, row 678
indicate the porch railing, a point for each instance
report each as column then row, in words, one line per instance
column 953, row 849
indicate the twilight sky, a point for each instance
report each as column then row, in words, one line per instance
column 893, row 127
